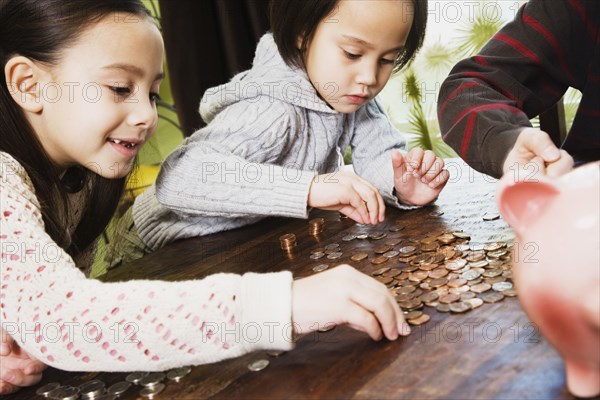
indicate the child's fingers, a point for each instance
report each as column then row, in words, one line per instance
column 369, row 195
column 429, row 159
column 362, row 320
column 379, row 304
column 392, row 326
column 7, row 388
column 414, row 159
column 6, row 342
column 440, row 180
column 359, row 205
column 18, row 378
column 399, row 164
column 434, row 169
column 34, row 367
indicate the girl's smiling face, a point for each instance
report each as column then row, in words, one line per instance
column 351, row 56
column 99, row 100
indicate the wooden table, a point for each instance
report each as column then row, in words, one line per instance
column 491, row 352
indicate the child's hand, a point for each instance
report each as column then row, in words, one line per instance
column 419, row 177
column 349, row 194
column 344, row 295
column 17, row 368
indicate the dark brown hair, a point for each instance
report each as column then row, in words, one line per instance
column 40, row 30
column 291, row 19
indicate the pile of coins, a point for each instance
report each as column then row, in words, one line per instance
column 443, row 272
column 315, row 226
column 287, row 241
column 152, row 384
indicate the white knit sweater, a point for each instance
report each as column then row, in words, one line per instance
column 70, row 322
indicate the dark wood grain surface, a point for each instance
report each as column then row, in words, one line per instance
column 493, row 352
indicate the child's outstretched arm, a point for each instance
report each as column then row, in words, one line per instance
column 67, row 321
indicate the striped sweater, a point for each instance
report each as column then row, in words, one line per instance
column 525, row 69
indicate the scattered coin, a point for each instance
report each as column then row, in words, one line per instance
column 474, row 302
column 320, row 267
column 44, row 390
column 460, row 307
column 92, row 388
column 419, row 320
column 489, row 216
column 65, row 393
column 359, row 256
column 335, row 256
column 316, row 256
column 151, row 392
column 118, row 388
column 492, row 297
column 153, row 379
column 258, row 365
column 379, row 260
column 348, row 238
column 178, row 373
column 136, row 377
column 502, row 286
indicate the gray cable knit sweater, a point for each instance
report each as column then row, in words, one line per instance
column 268, row 135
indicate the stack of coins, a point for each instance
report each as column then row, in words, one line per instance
column 315, row 226
column 287, row 241
column 92, row 389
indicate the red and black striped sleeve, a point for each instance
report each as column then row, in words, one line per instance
column 523, row 70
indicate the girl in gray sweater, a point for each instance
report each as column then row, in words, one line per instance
column 276, row 133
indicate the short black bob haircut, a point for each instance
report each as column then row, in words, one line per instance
column 291, row 19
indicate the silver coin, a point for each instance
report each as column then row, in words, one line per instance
column 92, row 388
column 436, row 213
column 489, row 216
column 151, row 392
column 119, row 388
column 362, row 236
column 64, row 393
column 136, row 377
column 258, row 365
column 178, row 373
column 391, row 253
column 320, row 267
column 348, row 238
column 332, row 246
column 275, row 353
column 105, row 397
column 152, row 379
column 316, row 256
column 470, row 275
column 44, row 390
column 502, row 286
column 335, row 256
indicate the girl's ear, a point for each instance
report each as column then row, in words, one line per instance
column 299, row 41
column 22, row 78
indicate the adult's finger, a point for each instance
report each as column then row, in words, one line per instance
column 561, row 166
column 540, row 144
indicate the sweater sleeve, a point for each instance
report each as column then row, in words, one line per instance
column 373, row 140
column 231, row 167
column 487, row 100
column 69, row 322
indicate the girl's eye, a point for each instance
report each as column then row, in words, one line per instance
column 387, row 61
column 120, row 90
column 154, row 97
column 351, row 56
